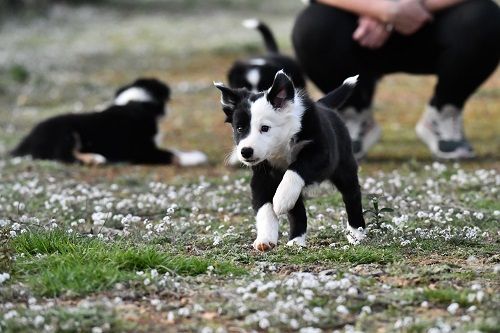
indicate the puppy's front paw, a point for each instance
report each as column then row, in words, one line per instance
column 298, row 241
column 267, row 228
column 288, row 192
column 355, row 236
column 263, row 245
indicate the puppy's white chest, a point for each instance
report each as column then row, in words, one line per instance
column 289, row 154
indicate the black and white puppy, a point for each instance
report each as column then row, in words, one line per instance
column 291, row 142
column 257, row 73
column 126, row 131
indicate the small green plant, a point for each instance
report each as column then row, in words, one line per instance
column 376, row 212
column 19, row 73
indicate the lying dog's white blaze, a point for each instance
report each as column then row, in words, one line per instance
column 190, row 158
column 257, row 62
column 300, row 241
column 253, row 77
column 267, row 228
column 355, row 236
column 275, row 144
column 288, row 192
column 133, row 94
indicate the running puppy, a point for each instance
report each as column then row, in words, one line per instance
column 257, row 73
column 127, row 131
column 291, row 142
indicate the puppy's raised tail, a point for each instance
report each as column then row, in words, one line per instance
column 337, row 98
column 267, row 35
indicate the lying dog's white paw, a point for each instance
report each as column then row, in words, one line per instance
column 288, row 192
column 191, row 158
column 355, row 236
column 298, row 241
column 267, row 228
column 90, row 158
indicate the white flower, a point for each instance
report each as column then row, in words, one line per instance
column 478, row 215
column 39, row 320
column 310, row 330
column 294, row 324
column 453, row 307
column 185, row 312
column 264, row 323
column 366, row 309
column 10, row 314
column 342, row 309
column 4, row 277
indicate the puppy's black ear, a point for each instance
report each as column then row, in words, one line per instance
column 282, row 91
column 339, row 96
column 229, row 99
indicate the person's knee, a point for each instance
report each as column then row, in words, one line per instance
column 322, row 28
column 476, row 24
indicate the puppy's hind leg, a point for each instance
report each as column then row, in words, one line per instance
column 347, row 182
column 85, row 158
column 297, row 218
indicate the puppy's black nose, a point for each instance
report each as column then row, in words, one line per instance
column 246, row 152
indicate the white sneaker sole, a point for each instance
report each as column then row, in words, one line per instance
column 426, row 135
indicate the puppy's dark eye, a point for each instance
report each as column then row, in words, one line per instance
column 240, row 129
column 264, row 128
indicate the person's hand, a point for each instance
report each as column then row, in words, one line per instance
column 408, row 16
column 371, row 33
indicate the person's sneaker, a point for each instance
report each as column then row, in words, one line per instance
column 443, row 132
column 363, row 129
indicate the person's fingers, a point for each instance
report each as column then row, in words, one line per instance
column 360, row 32
column 375, row 38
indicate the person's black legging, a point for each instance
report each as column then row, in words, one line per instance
column 461, row 46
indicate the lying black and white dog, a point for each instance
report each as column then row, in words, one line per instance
column 291, row 142
column 126, row 131
column 257, row 73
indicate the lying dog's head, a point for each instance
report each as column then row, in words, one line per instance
column 145, row 90
column 263, row 123
column 257, row 73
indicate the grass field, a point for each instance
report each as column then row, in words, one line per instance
column 163, row 249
